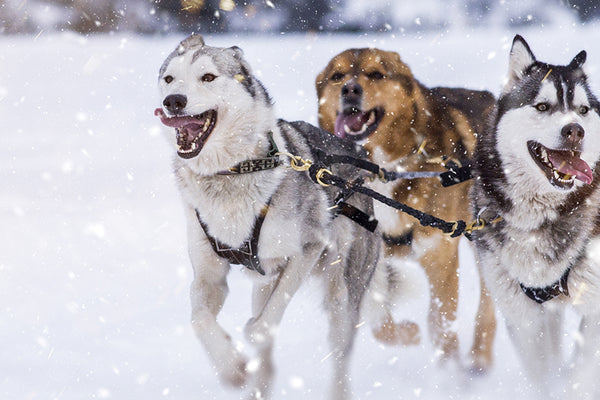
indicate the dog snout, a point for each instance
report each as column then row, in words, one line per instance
column 572, row 133
column 352, row 88
column 351, row 94
column 175, row 103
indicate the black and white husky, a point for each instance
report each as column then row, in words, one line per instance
column 537, row 187
column 244, row 205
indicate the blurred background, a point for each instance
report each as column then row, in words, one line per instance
column 275, row 16
column 94, row 272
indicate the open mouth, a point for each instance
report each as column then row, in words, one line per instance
column 561, row 167
column 356, row 124
column 192, row 130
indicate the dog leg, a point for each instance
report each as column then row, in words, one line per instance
column 537, row 338
column 584, row 382
column 343, row 321
column 262, row 328
column 263, row 364
column 442, row 272
column 208, row 292
column 383, row 290
column 485, row 332
column 208, row 295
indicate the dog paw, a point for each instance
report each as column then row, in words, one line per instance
column 235, row 372
column 259, row 333
column 405, row 333
column 480, row 365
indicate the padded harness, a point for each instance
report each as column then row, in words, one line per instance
column 247, row 254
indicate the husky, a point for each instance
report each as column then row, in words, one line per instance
column 536, row 197
column 245, row 206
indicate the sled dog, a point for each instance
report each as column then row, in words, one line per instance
column 245, row 206
column 537, row 193
column 371, row 97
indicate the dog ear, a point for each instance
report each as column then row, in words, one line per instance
column 578, row 60
column 237, row 52
column 400, row 66
column 193, row 40
column 238, row 55
column 521, row 58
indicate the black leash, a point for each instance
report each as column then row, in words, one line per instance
column 319, row 173
column 323, row 177
column 457, row 171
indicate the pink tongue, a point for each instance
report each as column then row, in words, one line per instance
column 173, row 122
column 354, row 121
column 569, row 165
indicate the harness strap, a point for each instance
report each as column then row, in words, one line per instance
column 400, row 240
column 458, row 171
column 453, row 229
column 247, row 254
column 360, row 217
column 541, row 295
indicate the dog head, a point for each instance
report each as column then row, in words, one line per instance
column 364, row 94
column 548, row 123
column 213, row 101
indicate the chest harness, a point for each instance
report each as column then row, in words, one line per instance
column 247, row 254
column 539, row 295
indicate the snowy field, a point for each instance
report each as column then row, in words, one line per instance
column 94, row 273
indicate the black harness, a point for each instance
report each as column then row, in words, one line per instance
column 247, row 254
column 541, row 295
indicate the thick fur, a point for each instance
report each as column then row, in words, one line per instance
column 401, row 116
column 300, row 234
column 547, row 226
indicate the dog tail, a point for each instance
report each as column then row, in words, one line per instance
column 387, row 286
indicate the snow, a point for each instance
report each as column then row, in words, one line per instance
column 94, row 274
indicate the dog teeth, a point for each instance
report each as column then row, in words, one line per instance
column 351, row 132
column 545, row 156
column 371, row 118
column 563, row 178
column 206, row 124
column 190, row 150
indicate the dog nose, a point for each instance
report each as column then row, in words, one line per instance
column 573, row 133
column 351, row 88
column 175, row 103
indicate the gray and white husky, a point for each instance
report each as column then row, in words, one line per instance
column 244, row 205
column 537, row 187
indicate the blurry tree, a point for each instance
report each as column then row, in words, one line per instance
column 214, row 16
column 303, row 15
column 199, row 15
column 586, row 9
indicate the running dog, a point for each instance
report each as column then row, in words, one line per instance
column 245, row 205
column 537, row 196
column 371, row 97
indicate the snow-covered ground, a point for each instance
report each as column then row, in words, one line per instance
column 94, row 273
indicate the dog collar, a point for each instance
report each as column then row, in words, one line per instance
column 541, row 295
column 258, row 164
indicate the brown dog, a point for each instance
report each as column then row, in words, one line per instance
column 370, row 96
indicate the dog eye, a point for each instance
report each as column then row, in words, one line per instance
column 338, row 76
column 375, row 75
column 583, row 110
column 208, row 78
column 542, row 107
column 168, row 79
